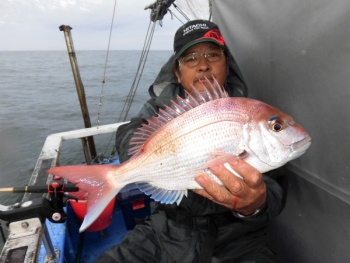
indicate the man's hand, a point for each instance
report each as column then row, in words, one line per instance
column 242, row 196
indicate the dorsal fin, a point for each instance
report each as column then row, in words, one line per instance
column 195, row 98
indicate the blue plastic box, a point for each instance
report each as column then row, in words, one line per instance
column 135, row 205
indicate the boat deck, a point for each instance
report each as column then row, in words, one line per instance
column 87, row 246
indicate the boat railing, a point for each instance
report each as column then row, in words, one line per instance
column 26, row 234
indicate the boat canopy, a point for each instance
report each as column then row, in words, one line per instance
column 295, row 56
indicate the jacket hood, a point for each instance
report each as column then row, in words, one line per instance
column 166, row 87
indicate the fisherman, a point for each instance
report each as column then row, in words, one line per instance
column 218, row 223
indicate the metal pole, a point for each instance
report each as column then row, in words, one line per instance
column 50, row 251
column 86, row 150
column 80, row 87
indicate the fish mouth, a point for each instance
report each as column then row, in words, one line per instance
column 302, row 145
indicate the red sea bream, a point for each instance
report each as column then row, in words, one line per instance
column 205, row 129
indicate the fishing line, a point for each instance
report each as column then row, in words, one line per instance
column 104, row 78
column 105, row 67
column 61, row 155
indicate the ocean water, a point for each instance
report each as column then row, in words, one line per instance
column 38, row 98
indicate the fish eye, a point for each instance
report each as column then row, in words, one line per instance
column 276, row 124
column 277, row 127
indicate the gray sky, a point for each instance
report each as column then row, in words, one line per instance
column 33, row 25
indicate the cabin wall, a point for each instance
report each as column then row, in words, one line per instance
column 295, row 55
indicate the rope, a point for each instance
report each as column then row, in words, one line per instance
column 172, row 14
column 146, row 46
column 181, row 12
column 127, row 105
column 210, row 10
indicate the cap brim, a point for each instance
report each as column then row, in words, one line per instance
column 197, row 42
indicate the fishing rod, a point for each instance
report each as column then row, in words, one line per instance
column 44, row 208
column 36, row 189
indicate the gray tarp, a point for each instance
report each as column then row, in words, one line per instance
column 295, row 55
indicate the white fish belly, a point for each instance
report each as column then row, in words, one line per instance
column 173, row 165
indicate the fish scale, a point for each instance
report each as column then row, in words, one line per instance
column 207, row 128
column 180, row 167
column 175, row 165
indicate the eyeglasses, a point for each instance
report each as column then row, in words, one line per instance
column 193, row 59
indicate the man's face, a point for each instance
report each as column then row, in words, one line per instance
column 193, row 75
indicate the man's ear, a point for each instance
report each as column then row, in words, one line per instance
column 178, row 75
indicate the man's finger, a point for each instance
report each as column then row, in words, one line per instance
column 252, row 177
column 233, row 183
column 215, row 190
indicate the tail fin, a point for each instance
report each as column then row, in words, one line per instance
column 94, row 179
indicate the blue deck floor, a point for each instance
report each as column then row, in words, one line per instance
column 87, row 246
column 94, row 243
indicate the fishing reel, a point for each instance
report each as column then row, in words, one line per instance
column 51, row 208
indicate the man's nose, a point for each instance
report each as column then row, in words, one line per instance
column 204, row 64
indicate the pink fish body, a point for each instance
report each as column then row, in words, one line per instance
column 195, row 133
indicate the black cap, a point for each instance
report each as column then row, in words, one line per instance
column 194, row 32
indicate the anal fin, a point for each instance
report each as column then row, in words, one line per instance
column 162, row 195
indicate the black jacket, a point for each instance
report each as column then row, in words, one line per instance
column 166, row 84
column 195, row 209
